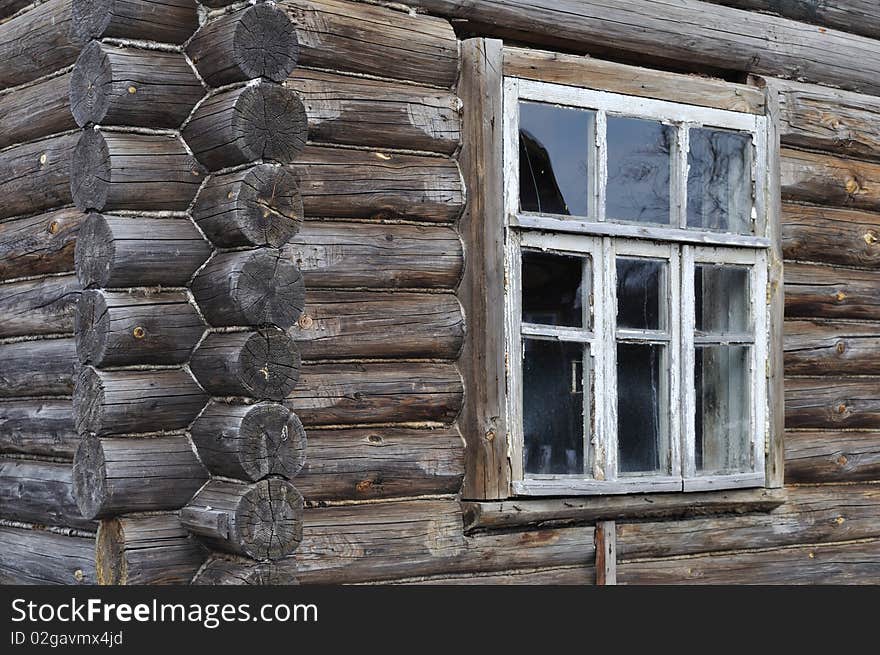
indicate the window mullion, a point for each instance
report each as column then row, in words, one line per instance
column 679, row 176
column 688, row 396
column 609, row 345
column 601, row 167
column 676, row 315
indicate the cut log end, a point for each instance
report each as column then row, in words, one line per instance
column 89, row 477
column 270, row 123
column 90, row 85
column 94, row 252
column 265, row 43
column 88, row 400
column 271, row 290
column 270, row 519
column 269, row 364
column 110, row 562
column 90, row 171
column 270, row 207
column 91, row 323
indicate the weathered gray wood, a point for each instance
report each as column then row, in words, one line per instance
column 136, row 327
column 342, row 254
column 112, row 170
column 828, row 180
column 39, row 557
column 814, row 291
column 833, row 403
column 376, row 392
column 261, row 364
column 834, row 236
column 120, row 476
column 366, row 112
column 146, row 550
column 36, row 176
column 125, row 402
column 40, row 493
column 606, row 553
column 257, row 41
column 136, row 252
column 38, row 427
column 347, row 36
column 562, row 575
column 220, row 571
column 688, row 33
column 166, row 21
column 249, row 442
column 130, row 86
column 237, row 126
column 39, row 244
column 857, row 16
column 46, row 367
column 258, row 206
column 831, row 348
column 35, row 111
column 35, row 307
column 825, row 456
column 10, row 7
column 338, row 324
column 263, row 520
column 483, row 357
column 360, row 464
column 340, row 183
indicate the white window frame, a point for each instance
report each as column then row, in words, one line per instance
column 602, row 240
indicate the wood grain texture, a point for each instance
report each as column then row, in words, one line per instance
column 563, row 575
column 10, row 7
column 341, row 324
column 40, row 493
column 845, row 237
column 166, row 21
column 38, row 427
column 832, row 403
column 39, row 245
column 856, row 16
column 35, row 176
column 817, row 456
column 220, row 571
column 35, row 111
column 36, row 557
column 35, row 307
column 376, row 392
column 365, row 112
column 814, row 291
column 829, row 180
column 831, row 348
column 343, row 254
column 37, row 368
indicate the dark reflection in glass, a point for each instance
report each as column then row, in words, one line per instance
column 553, row 406
column 554, row 143
column 719, row 180
column 723, row 398
column 721, row 299
column 638, row 170
column 641, row 423
column 640, row 287
column 552, row 291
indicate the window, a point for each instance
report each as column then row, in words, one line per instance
column 636, row 301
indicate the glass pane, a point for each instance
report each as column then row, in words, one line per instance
column 719, row 180
column 721, row 299
column 641, row 283
column 552, row 289
column 723, row 409
column 642, row 408
column 553, row 406
column 554, row 145
column 638, row 170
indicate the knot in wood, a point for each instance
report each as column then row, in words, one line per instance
column 870, row 238
column 53, row 227
column 306, row 321
column 132, row 89
column 841, row 296
column 852, row 185
column 139, row 332
column 841, row 347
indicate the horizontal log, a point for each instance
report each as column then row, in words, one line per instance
column 563, row 575
column 120, row 476
column 340, row 183
column 37, row 42
column 832, row 403
column 35, row 176
column 166, row 21
column 255, row 287
column 342, row 254
column 146, row 550
column 126, row 402
column 831, row 348
column 39, row 557
column 829, row 180
column 10, row 7
column 237, row 126
column 257, row 206
column 219, row 571
column 39, row 245
column 35, row 307
column 46, row 367
column 38, row 427
column 263, row 520
column 112, row 171
column 138, row 252
column 347, row 36
column 339, row 324
column 832, row 236
column 40, row 493
column 382, row 463
column 257, row 41
column 809, row 515
column 854, row 563
column 35, row 111
column 366, row 112
column 377, row 392
column 249, row 442
column 857, row 16
column 687, row 33
column 136, row 327
column 824, row 456
column 815, row 291
column 134, row 87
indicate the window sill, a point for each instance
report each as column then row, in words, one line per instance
column 534, row 513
